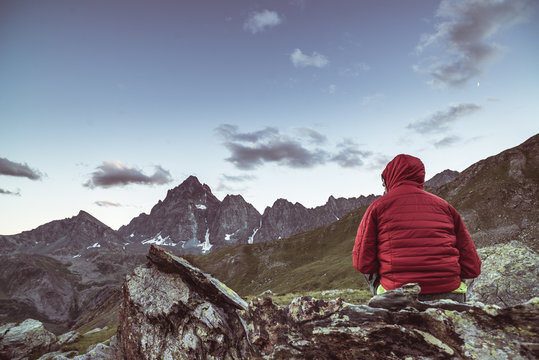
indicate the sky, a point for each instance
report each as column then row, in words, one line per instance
column 105, row 105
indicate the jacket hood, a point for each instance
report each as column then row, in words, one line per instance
column 404, row 169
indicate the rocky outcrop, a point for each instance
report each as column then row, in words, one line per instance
column 18, row 341
column 440, row 179
column 282, row 220
column 173, row 310
column 236, row 222
column 509, row 274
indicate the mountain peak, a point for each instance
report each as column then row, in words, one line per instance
column 83, row 215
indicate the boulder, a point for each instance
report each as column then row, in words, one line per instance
column 173, row 310
column 509, row 274
column 18, row 341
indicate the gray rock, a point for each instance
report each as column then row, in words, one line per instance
column 20, row 340
column 509, row 274
column 68, row 338
column 173, row 310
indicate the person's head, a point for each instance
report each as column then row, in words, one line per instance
column 403, row 169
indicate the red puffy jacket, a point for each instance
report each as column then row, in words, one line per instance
column 409, row 235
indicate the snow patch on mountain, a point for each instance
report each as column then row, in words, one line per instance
column 159, row 240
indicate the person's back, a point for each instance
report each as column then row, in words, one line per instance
column 411, row 236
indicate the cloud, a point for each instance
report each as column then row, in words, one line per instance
column 372, row 98
column 107, row 203
column 378, row 161
column 239, row 178
column 355, row 70
column 441, row 120
column 351, row 156
column 117, row 174
column 305, row 151
column 232, row 184
column 231, row 132
column 464, row 35
column 260, row 21
column 447, row 141
column 299, row 59
column 251, row 150
column 11, row 168
column 332, row 88
column 7, row 192
column 312, row 136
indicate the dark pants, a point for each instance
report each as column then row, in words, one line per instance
column 373, row 280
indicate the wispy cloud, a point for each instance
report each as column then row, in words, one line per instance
column 234, row 183
column 117, row 174
column 310, row 149
column 369, row 99
column 464, row 37
column 299, row 59
column 447, row 141
column 260, row 21
column 350, row 155
column 11, row 168
column 332, row 88
column 312, row 135
column 440, row 121
column 107, row 204
column 355, row 70
column 238, row 178
column 7, row 192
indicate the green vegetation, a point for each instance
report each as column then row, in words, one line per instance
column 85, row 341
column 312, row 261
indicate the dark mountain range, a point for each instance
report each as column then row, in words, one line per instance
column 78, row 235
column 192, row 220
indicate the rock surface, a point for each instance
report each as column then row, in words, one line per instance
column 173, row 310
column 440, row 179
column 17, row 341
column 509, row 275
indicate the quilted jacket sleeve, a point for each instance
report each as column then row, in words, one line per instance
column 365, row 248
column 470, row 264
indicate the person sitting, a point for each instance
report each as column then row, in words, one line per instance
column 411, row 236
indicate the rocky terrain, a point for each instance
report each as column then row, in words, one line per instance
column 171, row 309
column 440, row 179
column 67, row 273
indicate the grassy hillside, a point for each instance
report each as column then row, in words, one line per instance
column 316, row 260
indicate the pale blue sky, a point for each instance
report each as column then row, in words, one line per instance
column 108, row 103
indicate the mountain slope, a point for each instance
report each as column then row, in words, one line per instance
column 74, row 236
column 498, row 197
